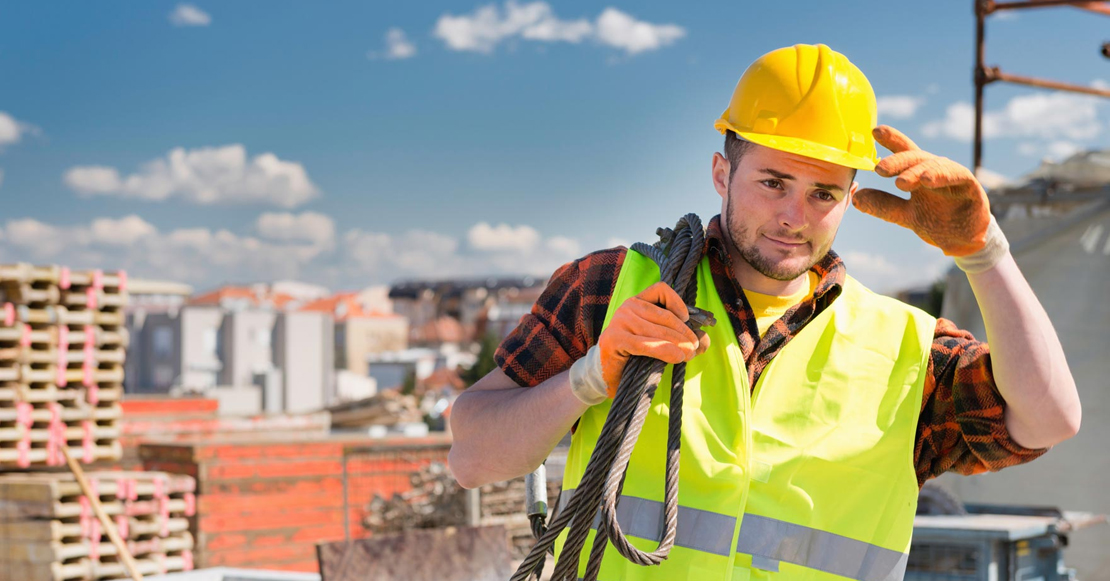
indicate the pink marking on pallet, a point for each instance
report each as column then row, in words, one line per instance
column 98, row 279
column 93, row 394
column 52, row 446
column 23, row 414
column 123, row 526
column 133, row 489
column 161, row 563
column 94, row 540
column 60, row 376
column 87, row 442
column 63, row 278
column 87, row 374
column 122, row 281
column 9, row 314
column 164, row 510
column 63, row 338
column 90, row 297
column 190, row 504
column 86, row 513
column 25, row 340
column 187, row 558
column 159, row 487
column 24, row 450
column 121, row 488
column 90, row 335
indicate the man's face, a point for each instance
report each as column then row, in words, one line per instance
column 781, row 210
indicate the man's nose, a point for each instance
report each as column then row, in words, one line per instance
column 792, row 212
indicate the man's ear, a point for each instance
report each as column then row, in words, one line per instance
column 720, row 174
column 852, row 192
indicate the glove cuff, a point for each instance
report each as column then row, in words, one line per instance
column 586, row 382
column 996, row 248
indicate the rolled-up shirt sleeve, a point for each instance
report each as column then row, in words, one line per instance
column 565, row 320
column 962, row 426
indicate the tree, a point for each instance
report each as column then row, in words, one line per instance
column 485, row 362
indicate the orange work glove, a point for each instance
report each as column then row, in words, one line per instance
column 947, row 206
column 650, row 324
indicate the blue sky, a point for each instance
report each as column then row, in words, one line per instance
column 353, row 143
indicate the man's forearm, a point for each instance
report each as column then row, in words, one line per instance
column 1030, row 370
column 502, row 433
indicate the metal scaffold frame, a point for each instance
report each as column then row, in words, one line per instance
column 985, row 75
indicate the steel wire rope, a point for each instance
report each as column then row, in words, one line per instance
column 677, row 253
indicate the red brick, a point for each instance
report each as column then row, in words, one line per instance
column 319, row 534
column 309, row 485
column 237, row 503
column 261, row 557
column 302, row 566
column 215, row 542
column 133, row 406
column 268, row 520
column 272, row 469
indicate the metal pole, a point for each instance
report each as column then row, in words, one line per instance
column 982, row 8
column 993, row 74
column 996, row 6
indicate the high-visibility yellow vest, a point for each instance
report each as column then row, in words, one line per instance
column 809, row 477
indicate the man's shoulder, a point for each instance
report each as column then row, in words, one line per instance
column 592, row 269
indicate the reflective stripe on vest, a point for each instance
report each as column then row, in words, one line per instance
column 768, row 540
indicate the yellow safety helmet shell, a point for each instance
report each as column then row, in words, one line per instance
column 809, row 100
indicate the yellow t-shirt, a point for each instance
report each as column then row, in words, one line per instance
column 769, row 308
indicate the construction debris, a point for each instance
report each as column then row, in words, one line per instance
column 436, row 501
column 387, row 408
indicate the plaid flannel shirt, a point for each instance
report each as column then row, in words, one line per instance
column 961, row 427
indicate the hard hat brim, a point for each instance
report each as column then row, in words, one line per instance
column 802, row 147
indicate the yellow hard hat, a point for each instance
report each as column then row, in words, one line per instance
column 809, row 100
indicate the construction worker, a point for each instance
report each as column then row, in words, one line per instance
column 814, row 408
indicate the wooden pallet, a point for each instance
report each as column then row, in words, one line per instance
column 48, row 529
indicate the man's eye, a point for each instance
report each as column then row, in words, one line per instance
column 824, row 195
column 776, row 184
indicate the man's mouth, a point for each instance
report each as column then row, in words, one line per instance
column 785, row 242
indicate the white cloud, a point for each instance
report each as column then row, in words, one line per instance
column 502, row 237
column 1038, row 115
column 899, row 106
column 397, row 46
column 311, row 227
column 206, row 175
column 1056, row 150
column 1060, row 150
column 886, row 275
column 416, row 252
column 563, row 245
column 617, row 29
column 122, row 232
column 42, row 240
column 991, row 179
column 13, row 130
column 485, row 28
column 277, row 246
column 189, row 15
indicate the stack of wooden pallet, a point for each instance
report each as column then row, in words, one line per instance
column 48, row 531
column 62, row 347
